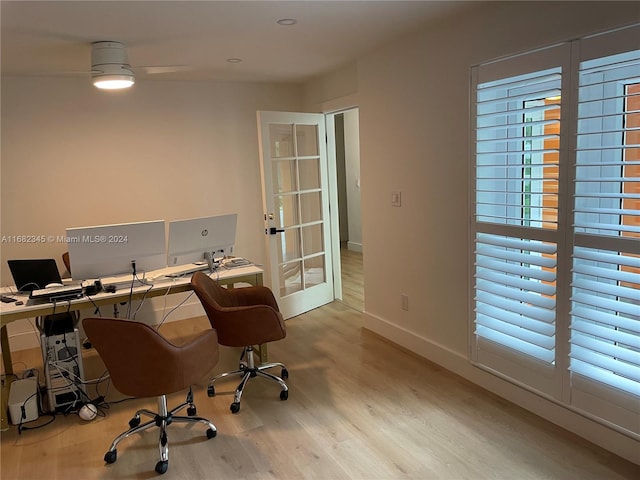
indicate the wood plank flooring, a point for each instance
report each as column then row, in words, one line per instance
column 352, row 281
column 359, row 408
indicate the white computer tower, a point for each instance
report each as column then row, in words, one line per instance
column 64, row 372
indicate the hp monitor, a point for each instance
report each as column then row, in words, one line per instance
column 201, row 239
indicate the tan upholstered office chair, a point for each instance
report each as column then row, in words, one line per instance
column 243, row 317
column 142, row 363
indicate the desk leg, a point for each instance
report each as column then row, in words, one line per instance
column 4, row 401
column 8, row 371
column 263, row 354
column 6, row 351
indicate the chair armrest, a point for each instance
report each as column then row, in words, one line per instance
column 256, row 295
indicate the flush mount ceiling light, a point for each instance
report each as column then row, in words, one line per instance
column 110, row 68
column 287, row 22
column 234, row 60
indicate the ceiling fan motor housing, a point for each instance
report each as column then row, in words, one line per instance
column 109, row 59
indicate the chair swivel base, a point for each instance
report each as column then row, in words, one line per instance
column 162, row 420
column 249, row 370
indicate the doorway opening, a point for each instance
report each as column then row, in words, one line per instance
column 344, row 126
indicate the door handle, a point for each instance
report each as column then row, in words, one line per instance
column 274, row 230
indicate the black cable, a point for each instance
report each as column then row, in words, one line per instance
column 55, row 305
column 133, row 281
column 97, row 308
column 23, row 411
column 31, row 427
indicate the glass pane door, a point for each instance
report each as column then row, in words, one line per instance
column 296, row 201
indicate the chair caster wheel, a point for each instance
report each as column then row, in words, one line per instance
column 235, row 407
column 111, row 456
column 211, row 392
column 161, row 467
column 134, row 422
column 284, row 374
column 191, row 411
column 211, row 433
column 284, row 394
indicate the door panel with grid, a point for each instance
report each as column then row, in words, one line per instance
column 294, row 169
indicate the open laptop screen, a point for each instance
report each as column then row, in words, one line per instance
column 29, row 275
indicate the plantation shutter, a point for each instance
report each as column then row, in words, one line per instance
column 514, row 295
column 516, row 146
column 605, row 301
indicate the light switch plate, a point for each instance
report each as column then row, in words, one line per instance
column 396, row 199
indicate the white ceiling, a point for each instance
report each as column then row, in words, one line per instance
column 54, row 37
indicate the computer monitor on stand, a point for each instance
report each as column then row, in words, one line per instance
column 203, row 239
column 109, row 250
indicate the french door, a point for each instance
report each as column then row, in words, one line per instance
column 293, row 163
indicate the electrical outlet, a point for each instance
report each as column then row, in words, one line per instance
column 396, row 199
column 404, row 302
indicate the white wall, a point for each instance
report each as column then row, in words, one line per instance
column 74, row 156
column 413, row 97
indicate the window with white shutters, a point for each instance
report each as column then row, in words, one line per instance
column 517, row 142
column 555, row 228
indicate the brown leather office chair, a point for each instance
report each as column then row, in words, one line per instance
column 243, row 317
column 142, row 363
column 67, row 261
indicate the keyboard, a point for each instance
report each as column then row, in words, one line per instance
column 237, row 262
column 65, row 291
column 177, row 271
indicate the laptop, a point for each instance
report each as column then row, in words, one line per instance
column 29, row 275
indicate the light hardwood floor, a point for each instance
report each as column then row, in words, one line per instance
column 359, row 408
column 352, row 281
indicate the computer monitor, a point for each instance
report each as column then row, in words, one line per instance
column 191, row 240
column 108, row 250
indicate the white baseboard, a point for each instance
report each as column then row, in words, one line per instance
column 354, row 247
column 457, row 363
column 24, row 340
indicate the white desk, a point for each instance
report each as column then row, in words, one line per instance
column 10, row 312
